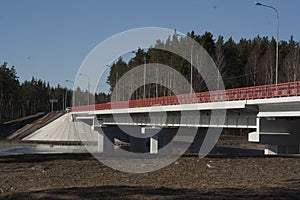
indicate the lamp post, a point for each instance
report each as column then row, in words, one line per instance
column 68, row 81
column 191, row 66
column 144, row 76
column 277, row 16
column 191, row 90
column 191, row 63
column 116, row 84
column 144, row 95
column 88, row 93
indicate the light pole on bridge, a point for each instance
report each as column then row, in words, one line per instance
column 191, row 64
column 277, row 34
column 144, row 73
column 68, row 81
column 116, row 84
column 88, row 92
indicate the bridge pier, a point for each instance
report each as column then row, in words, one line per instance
column 160, row 143
column 139, row 145
column 155, row 140
column 198, row 141
column 155, row 143
column 105, row 141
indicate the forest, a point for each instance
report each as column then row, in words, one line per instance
column 243, row 63
column 248, row 62
column 27, row 98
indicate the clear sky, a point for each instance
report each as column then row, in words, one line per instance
column 49, row 39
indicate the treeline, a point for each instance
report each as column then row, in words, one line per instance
column 243, row 63
column 27, row 98
column 31, row 97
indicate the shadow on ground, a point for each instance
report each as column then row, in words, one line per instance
column 130, row 192
column 36, row 158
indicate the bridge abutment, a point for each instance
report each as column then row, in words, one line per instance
column 280, row 135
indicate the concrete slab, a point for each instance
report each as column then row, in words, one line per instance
column 64, row 129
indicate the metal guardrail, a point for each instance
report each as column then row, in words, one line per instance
column 255, row 92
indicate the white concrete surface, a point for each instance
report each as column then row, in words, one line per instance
column 64, row 129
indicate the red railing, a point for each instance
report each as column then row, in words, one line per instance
column 256, row 92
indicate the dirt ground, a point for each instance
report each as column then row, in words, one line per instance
column 80, row 176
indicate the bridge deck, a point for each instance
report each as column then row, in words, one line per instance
column 246, row 93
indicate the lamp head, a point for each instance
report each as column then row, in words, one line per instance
column 258, row 4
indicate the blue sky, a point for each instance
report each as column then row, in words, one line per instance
column 49, row 39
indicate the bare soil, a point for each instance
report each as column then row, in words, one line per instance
column 80, row 176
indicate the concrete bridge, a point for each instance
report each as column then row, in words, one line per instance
column 271, row 113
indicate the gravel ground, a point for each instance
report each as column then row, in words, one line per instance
column 80, row 176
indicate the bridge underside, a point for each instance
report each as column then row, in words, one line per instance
column 276, row 124
column 234, row 119
column 153, row 140
column 157, row 132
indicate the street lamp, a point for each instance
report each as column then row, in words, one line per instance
column 191, row 63
column 144, row 95
column 191, row 90
column 68, row 81
column 117, row 76
column 277, row 15
column 88, row 93
column 145, row 62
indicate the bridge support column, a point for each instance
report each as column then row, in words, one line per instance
column 154, row 144
column 95, row 123
column 163, row 141
column 162, row 138
column 139, row 145
column 105, row 141
column 198, row 141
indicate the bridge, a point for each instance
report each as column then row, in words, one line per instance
column 271, row 113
